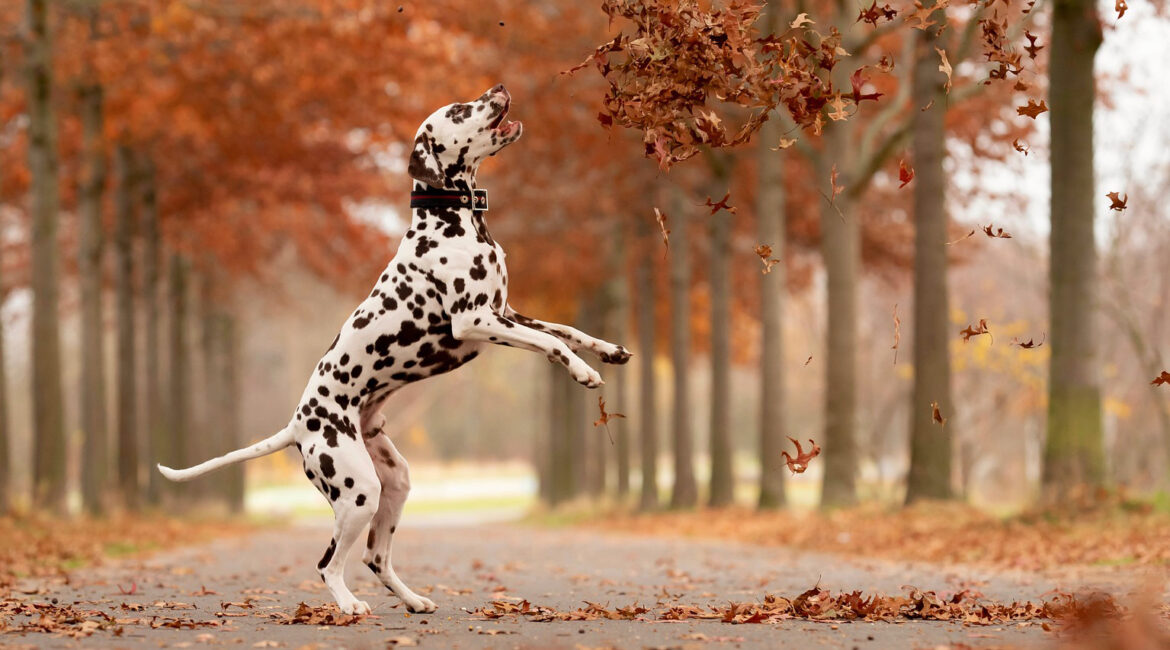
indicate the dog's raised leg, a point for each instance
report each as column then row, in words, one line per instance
column 353, row 488
column 493, row 328
column 575, row 338
column 394, row 474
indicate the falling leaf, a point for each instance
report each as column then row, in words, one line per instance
column 857, row 83
column 968, row 235
column 799, row 464
column 876, row 13
column 928, row 105
column 945, row 68
column 765, row 252
column 785, row 143
column 605, row 417
column 1020, row 147
column 936, row 415
column 897, row 333
column 662, row 226
column 808, row 360
column 905, row 173
column 837, row 189
column 1163, row 378
column 1031, row 48
column 996, row 233
column 1119, row 201
column 885, row 64
column 973, row 330
column 721, row 204
column 1030, row 343
column 801, row 21
column 1033, row 109
column 1120, row 6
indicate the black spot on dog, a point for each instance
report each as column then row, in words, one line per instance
column 360, row 500
column 313, row 424
column 327, row 469
column 328, row 555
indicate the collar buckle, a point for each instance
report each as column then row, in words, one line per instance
column 479, row 200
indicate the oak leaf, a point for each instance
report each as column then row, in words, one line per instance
column 976, row 330
column 1163, row 378
column 661, row 218
column 765, row 253
column 1033, row 110
column 1030, row 343
column 945, row 68
column 936, row 415
column 905, row 173
column 605, row 417
column 721, row 204
column 1119, row 201
column 996, row 233
column 800, row 463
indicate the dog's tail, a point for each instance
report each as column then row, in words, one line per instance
column 276, row 442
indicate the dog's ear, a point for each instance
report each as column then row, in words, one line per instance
column 424, row 164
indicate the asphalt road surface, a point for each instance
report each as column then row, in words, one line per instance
column 464, row 568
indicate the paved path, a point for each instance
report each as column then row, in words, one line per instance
column 464, row 568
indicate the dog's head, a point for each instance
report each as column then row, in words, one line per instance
column 452, row 142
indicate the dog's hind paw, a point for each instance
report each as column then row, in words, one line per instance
column 420, row 605
column 357, row 608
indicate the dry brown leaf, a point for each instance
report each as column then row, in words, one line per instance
column 976, row 330
column 764, row 251
column 800, row 463
column 936, row 415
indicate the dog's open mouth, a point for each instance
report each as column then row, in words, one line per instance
column 495, row 124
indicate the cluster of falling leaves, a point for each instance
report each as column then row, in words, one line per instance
column 817, row 603
column 686, row 65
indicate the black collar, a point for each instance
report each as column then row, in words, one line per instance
column 431, row 197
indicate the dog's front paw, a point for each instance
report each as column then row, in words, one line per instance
column 615, row 354
column 420, row 604
column 584, row 375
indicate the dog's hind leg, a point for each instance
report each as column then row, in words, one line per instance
column 346, row 475
column 394, row 474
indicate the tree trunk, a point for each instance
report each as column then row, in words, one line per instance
column 95, row 469
column 685, row 493
column 722, row 472
column 560, row 461
column 840, row 249
column 5, row 452
column 48, row 410
column 127, row 370
column 229, row 382
column 930, row 447
column 648, row 402
column 594, row 313
column 575, row 430
column 157, row 444
column 770, row 231
column 1074, row 453
column 618, row 296
column 184, row 445
column 209, row 421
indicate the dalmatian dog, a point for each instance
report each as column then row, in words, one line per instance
column 442, row 297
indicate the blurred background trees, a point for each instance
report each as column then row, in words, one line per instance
column 194, row 194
